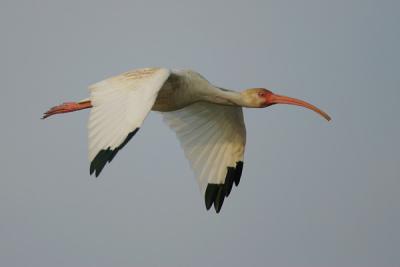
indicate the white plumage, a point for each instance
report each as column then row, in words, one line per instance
column 120, row 105
column 207, row 120
column 213, row 138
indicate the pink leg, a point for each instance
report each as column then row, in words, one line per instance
column 66, row 107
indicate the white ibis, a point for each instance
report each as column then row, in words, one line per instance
column 207, row 120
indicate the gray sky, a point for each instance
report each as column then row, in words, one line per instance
column 312, row 193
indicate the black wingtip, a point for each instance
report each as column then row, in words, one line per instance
column 107, row 155
column 216, row 193
column 91, row 168
column 238, row 172
column 219, row 199
column 229, row 180
column 210, row 195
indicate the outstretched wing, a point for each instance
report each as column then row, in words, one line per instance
column 120, row 104
column 213, row 138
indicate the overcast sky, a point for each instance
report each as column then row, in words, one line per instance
column 312, row 193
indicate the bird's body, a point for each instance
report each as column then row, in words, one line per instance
column 207, row 120
column 181, row 89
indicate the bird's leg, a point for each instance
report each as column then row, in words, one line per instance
column 67, row 107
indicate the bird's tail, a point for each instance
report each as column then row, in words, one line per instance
column 68, row 107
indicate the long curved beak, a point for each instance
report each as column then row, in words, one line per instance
column 280, row 99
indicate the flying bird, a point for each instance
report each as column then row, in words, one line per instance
column 208, row 121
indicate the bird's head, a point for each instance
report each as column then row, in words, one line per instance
column 261, row 98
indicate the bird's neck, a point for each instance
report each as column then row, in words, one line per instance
column 225, row 97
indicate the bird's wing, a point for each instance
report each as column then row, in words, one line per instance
column 213, row 138
column 120, row 104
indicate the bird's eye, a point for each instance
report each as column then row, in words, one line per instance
column 261, row 94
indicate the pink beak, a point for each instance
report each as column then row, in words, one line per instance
column 280, row 99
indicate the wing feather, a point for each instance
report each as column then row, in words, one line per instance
column 120, row 105
column 213, row 138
